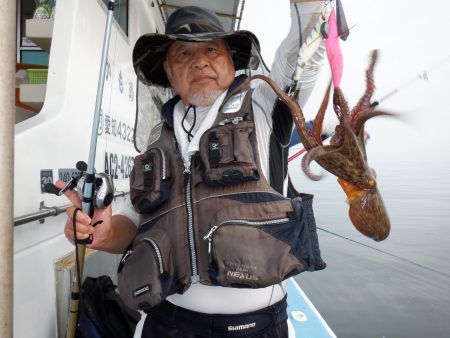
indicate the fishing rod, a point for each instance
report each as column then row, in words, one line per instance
column 423, row 75
column 88, row 186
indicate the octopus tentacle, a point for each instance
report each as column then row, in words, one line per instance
column 318, row 121
column 320, row 154
column 370, row 87
column 297, row 114
column 362, row 119
column 340, row 103
column 306, row 161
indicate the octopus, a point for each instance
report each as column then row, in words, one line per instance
column 345, row 156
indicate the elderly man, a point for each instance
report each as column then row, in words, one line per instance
column 213, row 236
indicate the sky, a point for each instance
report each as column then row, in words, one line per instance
column 413, row 45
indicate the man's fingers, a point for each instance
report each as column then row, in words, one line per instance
column 72, row 195
column 80, row 235
column 81, row 228
column 81, row 216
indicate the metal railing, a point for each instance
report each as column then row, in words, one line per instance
column 45, row 212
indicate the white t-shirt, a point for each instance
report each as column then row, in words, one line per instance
column 224, row 300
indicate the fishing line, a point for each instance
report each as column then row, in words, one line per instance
column 420, row 76
column 387, row 253
column 77, row 255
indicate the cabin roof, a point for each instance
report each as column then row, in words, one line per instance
column 229, row 11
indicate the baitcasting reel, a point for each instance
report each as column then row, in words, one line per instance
column 103, row 193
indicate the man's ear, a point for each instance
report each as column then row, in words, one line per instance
column 167, row 69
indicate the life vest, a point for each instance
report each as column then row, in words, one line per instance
column 215, row 222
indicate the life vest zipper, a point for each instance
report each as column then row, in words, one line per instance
column 155, row 249
column 158, row 253
column 210, row 234
column 190, row 220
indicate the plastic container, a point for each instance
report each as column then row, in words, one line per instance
column 37, row 76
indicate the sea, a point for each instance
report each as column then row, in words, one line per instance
column 400, row 287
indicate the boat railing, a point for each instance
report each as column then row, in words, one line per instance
column 46, row 211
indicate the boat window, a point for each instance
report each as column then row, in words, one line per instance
column 34, row 27
column 27, row 50
column 120, row 14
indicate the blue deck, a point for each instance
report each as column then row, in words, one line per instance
column 303, row 316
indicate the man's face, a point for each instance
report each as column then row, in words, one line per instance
column 199, row 71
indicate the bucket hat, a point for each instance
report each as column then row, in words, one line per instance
column 192, row 24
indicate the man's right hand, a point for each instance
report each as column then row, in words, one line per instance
column 84, row 228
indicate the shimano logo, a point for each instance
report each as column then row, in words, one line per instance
column 241, row 327
column 142, row 290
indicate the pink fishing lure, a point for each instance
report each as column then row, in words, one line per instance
column 334, row 50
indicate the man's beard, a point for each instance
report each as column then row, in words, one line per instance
column 204, row 99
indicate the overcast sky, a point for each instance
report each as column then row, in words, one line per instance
column 412, row 37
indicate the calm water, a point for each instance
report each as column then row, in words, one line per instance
column 366, row 293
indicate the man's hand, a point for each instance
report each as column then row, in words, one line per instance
column 100, row 232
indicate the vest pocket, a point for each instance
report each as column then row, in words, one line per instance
column 145, row 273
column 228, row 154
column 255, row 252
column 242, row 253
column 149, row 180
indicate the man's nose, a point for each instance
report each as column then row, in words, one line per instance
column 201, row 60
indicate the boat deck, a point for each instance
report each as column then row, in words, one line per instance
column 304, row 317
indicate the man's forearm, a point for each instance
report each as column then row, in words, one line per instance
column 122, row 233
column 286, row 54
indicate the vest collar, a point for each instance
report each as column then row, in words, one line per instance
column 167, row 108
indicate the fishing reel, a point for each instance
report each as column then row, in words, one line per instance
column 103, row 192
